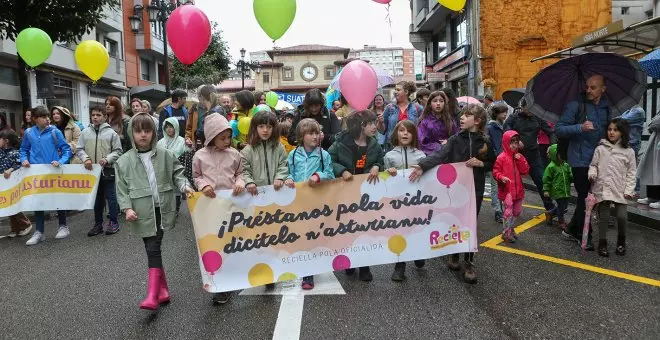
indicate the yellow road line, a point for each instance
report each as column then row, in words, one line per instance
column 494, row 243
column 524, row 205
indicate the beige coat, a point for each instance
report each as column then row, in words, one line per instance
column 614, row 168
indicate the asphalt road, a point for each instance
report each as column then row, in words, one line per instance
column 89, row 288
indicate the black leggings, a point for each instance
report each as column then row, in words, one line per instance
column 152, row 245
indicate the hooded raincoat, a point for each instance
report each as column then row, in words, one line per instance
column 557, row 177
column 614, row 168
column 177, row 144
column 220, row 169
column 508, row 166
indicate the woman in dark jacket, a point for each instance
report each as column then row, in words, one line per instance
column 313, row 107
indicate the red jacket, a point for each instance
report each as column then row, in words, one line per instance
column 508, row 166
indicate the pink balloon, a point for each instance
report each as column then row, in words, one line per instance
column 385, row 2
column 359, row 84
column 341, row 262
column 189, row 33
column 212, row 261
column 447, row 174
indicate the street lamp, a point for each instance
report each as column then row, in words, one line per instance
column 244, row 66
column 158, row 11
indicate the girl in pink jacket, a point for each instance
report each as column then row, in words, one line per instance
column 612, row 174
column 217, row 166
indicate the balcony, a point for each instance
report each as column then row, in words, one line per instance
column 428, row 16
column 151, row 45
column 113, row 20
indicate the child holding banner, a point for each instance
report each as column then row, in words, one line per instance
column 356, row 151
column 9, row 162
column 100, row 144
column 404, row 155
column 217, row 166
column 309, row 163
column 45, row 144
column 264, row 159
column 146, row 178
column 472, row 147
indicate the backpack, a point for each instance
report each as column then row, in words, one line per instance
column 168, row 109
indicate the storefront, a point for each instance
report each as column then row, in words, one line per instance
column 451, row 71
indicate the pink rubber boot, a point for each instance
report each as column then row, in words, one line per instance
column 163, row 291
column 153, row 287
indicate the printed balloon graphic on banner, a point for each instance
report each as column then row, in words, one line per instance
column 189, row 33
column 212, row 261
column 359, row 84
column 34, row 46
column 260, row 274
column 454, row 5
column 447, row 174
column 397, row 244
column 341, row 262
column 274, row 16
column 271, row 99
column 92, row 58
column 384, row 2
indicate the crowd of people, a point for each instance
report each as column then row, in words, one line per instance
column 151, row 161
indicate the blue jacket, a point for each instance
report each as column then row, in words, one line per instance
column 43, row 147
column 583, row 144
column 636, row 118
column 302, row 167
column 495, row 132
column 391, row 117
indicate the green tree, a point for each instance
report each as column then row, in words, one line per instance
column 211, row 68
column 63, row 20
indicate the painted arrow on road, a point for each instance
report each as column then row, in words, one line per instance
column 289, row 318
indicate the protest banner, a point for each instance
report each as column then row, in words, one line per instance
column 246, row 241
column 43, row 187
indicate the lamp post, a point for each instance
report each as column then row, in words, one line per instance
column 158, row 11
column 244, row 66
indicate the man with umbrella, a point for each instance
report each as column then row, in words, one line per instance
column 583, row 124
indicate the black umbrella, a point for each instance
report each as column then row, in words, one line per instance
column 562, row 82
column 513, row 96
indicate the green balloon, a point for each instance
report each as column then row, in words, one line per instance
column 271, row 99
column 34, row 46
column 275, row 16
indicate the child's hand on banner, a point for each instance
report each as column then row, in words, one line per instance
column 239, row 187
column 88, row 165
column 347, row 175
column 373, row 175
column 55, row 164
column 290, row 183
column 252, row 189
column 188, row 191
column 208, row 191
column 314, row 180
column 416, row 173
column 26, row 164
column 392, row 171
column 474, row 163
column 130, row 215
column 277, row 185
column 8, row 173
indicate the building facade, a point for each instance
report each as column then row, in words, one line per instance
column 632, row 11
column 397, row 61
column 59, row 81
column 296, row 69
column 487, row 47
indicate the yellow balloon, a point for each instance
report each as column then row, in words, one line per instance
column 287, row 277
column 92, row 58
column 244, row 125
column 397, row 244
column 454, row 5
column 260, row 274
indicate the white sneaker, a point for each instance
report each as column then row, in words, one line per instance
column 63, row 232
column 644, row 201
column 655, row 205
column 12, row 234
column 26, row 231
column 36, row 238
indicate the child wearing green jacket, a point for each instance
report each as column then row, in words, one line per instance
column 557, row 180
column 147, row 177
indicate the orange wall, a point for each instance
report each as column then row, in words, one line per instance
column 513, row 32
column 130, row 51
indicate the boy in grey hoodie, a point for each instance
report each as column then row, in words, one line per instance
column 100, row 144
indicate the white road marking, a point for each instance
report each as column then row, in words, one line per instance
column 289, row 318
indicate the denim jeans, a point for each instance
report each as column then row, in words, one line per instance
column 536, row 173
column 105, row 192
column 40, row 218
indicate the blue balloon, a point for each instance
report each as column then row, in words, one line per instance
column 234, row 128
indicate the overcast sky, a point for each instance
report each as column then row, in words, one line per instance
column 344, row 23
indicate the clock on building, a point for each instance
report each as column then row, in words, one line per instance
column 309, row 72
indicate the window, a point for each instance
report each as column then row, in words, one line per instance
column 287, row 73
column 111, row 46
column 156, row 29
column 625, row 10
column 330, row 72
column 8, row 76
column 145, row 72
column 459, row 34
column 266, row 78
column 65, row 93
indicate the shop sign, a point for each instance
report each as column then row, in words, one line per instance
column 450, row 59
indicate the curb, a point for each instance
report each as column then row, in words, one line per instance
column 634, row 216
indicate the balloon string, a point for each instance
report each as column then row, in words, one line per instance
column 389, row 21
